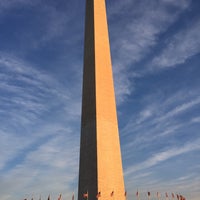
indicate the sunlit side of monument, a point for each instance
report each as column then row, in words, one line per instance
column 100, row 168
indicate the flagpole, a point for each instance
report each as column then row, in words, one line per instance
column 138, row 197
column 167, row 197
column 158, row 196
column 172, row 196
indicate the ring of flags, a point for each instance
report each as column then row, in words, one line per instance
column 98, row 195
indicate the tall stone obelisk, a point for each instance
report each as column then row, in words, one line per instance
column 100, row 168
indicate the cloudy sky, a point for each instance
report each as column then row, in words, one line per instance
column 155, row 48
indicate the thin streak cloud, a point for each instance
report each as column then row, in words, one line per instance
column 163, row 156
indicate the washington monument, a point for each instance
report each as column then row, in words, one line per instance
column 100, row 168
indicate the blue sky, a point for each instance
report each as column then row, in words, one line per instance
column 155, row 48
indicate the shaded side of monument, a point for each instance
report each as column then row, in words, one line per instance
column 100, row 168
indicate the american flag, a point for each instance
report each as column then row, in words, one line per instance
column 85, row 195
column 112, row 193
column 98, row 195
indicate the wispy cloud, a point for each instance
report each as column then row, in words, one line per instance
column 158, row 112
column 163, row 156
column 179, row 109
column 184, row 45
column 123, row 86
column 47, row 163
column 25, row 92
column 195, row 120
column 141, row 32
column 159, row 124
column 138, row 35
